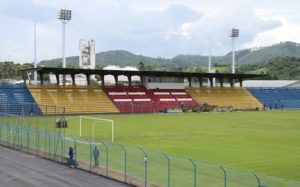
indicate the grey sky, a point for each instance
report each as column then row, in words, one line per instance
column 154, row 28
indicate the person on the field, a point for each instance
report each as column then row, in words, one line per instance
column 96, row 154
column 71, row 157
column 182, row 106
column 57, row 123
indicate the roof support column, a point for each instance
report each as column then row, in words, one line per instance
column 116, row 80
column 57, row 78
column 102, row 80
column 190, row 81
column 73, row 79
column 241, row 82
column 200, row 81
column 129, row 80
column 221, row 81
column 88, row 80
column 41, row 78
column 231, row 82
column 211, row 81
column 24, row 77
column 142, row 80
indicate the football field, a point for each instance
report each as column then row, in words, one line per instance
column 267, row 142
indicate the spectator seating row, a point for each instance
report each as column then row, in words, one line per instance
column 237, row 98
column 17, row 100
column 140, row 99
column 83, row 99
column 75, row 99
column 130, row 99
column 172, row 98
column 277, row 97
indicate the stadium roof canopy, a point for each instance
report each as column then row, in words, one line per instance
column 88, row 72
column 271, row 83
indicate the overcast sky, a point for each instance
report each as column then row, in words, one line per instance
column 156, row 28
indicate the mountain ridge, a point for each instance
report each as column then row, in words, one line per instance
column 244, row 56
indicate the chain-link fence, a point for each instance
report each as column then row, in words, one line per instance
column 29, row 126
column 135, row 166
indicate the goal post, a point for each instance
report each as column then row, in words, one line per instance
column 96, row 120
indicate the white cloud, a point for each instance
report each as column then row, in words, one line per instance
column 286, row 32
column 15, row 40
column 155, row 28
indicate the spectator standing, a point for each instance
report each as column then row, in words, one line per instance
column 71, row 157
column 96, row 154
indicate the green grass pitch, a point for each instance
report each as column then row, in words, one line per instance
column 267, row 142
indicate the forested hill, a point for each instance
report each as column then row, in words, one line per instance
column 276, row 68
column 115, row 57
column 246, row 56
column 282, row 68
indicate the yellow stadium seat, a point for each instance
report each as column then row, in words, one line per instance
column 75, row 99
column 237, row 98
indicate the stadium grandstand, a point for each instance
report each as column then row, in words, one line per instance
column 276, row 94
column 127, row 90
column 12, row 95
column 92, row 99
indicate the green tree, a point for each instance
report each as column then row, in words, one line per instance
column 141, row 66
column 98, row 66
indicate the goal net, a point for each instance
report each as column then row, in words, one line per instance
column 94, row 127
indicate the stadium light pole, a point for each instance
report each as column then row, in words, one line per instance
column 209, row 57
column 209, row 60
column 35, row 54
column 234, row 34
column 64, row 16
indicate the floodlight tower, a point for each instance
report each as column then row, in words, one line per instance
column 209, row 61
column 234, row 34
column 209, row 57
column 64, row 16
column 35, row 53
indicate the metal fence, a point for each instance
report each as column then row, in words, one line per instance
column 135, row 166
